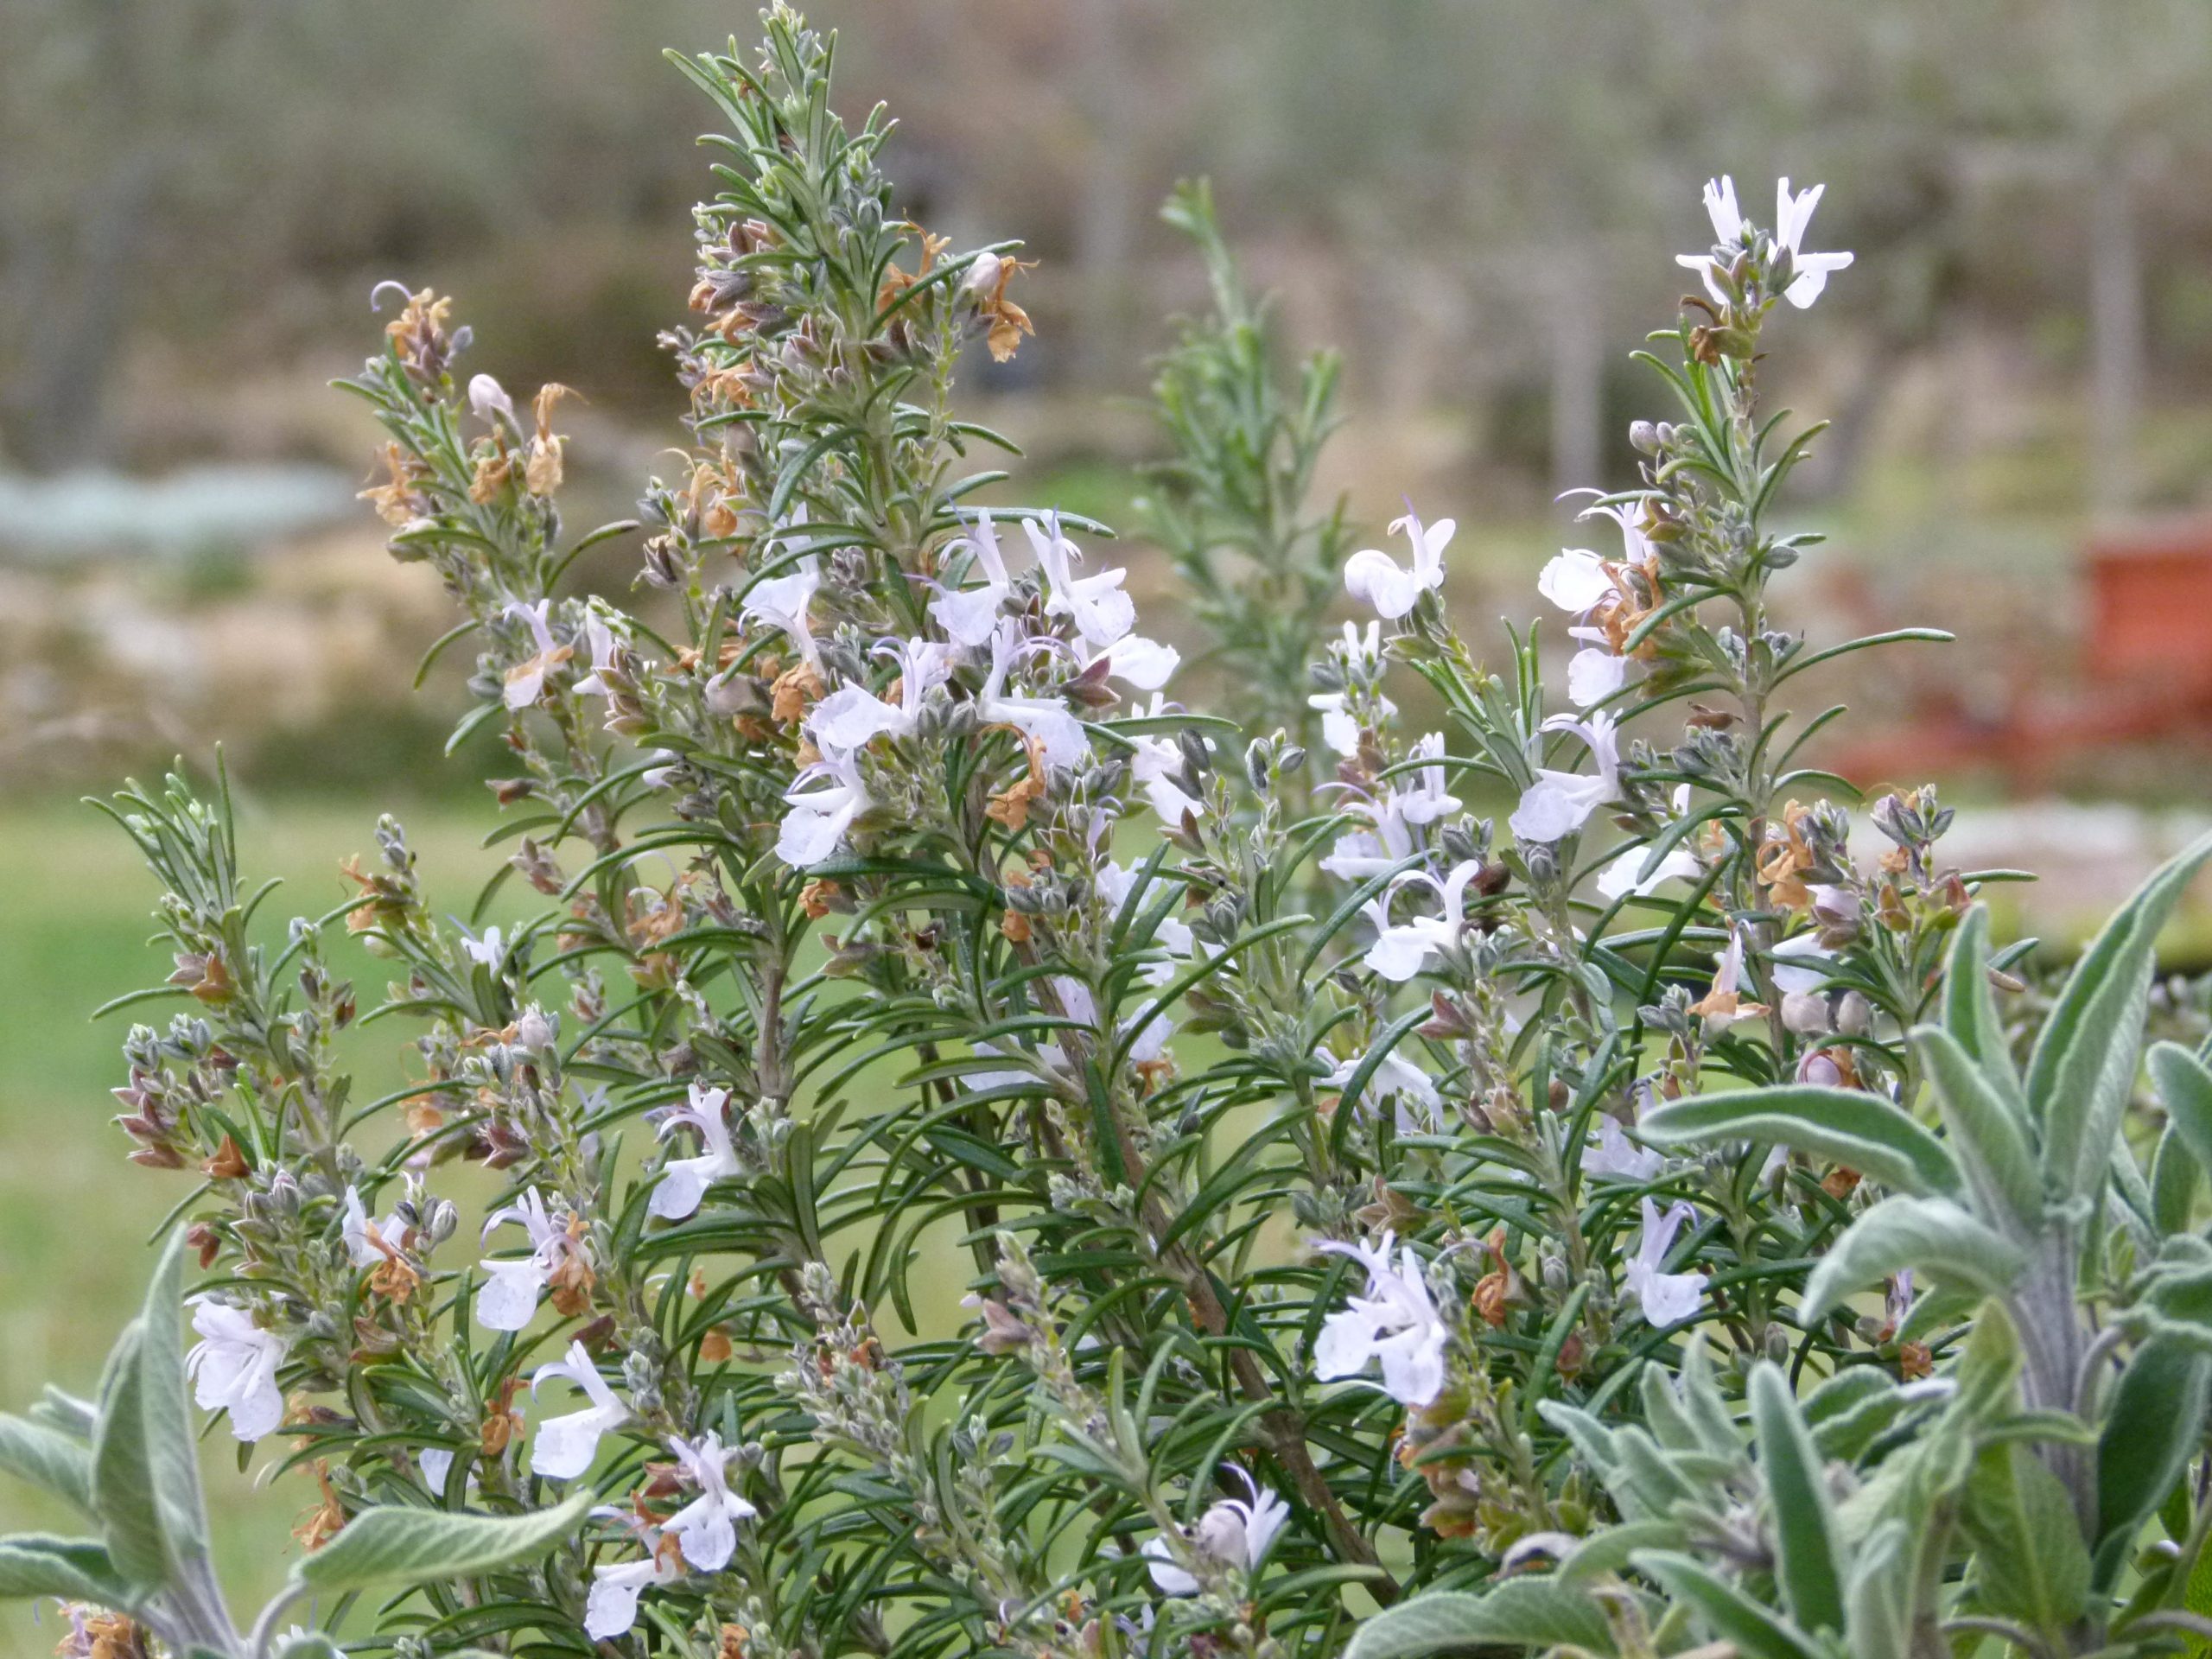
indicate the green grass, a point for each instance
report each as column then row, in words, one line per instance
column 75, row 916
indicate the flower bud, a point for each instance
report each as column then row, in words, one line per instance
column 1805, row 1013
column 489, row 399
column 538, row 1030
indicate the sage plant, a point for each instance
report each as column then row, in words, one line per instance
column 996, row 1160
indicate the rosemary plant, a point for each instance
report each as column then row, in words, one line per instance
column 995, row 1161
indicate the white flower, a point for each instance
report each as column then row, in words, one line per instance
column 1792, row 215
column 1809, row 272
column 508, row 1296
column 1402, row 950
column 1117, row 881
column 825, row 799
column 488, row 398
column 611, row 1607
column 1134, row 660
column 1374, row 576
column 706, row 1527
column 1593, row 673
column 852, row 716
column 436, row 1463
column 485, row 952
column 1720, row 208
column 369, row 1244
column 1157, row 764
column 1806, row 947
column 233, row 1368
column 1057, row 734
column 525, row 681
column 1359, row 854
column 1394, row 1078
column 684, row 1181
column 1340, row 730
column 1395, row 1322
column 566, row 1446
column 1665, row 1297
column 1637, row 872
column 1559, row 803
column 1102, row 613
column 971, row 616
column 1235, row 1532
column 1614, row 1155
column 1575, row 580
column 782, row 602
column 603, row 644
column 1427, row 800
column 1728, row 229
column 1724, row 1006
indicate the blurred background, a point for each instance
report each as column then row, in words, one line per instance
column 1476, row 201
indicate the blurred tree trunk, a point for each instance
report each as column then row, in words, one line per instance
column 1105, row 72
column 2115, row 337
column 1578, row 370
column 73, row 307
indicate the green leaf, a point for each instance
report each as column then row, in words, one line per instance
column 2174, row 1175
column 172, row 1447
column 48, row 1459
column 2184, row 1087
column 75, row 1569
column 1529, row 1612
column 1844, row 1125
column 123, row 1488
column 1727, row 1611
column 1970, row 1006
column 1875, row 1616
column 2155, row 1425
column 1805, row 1568
column 2031, row 1564
column 2083, row 1066
column 1931, row 1236
column 398, row 1545
column 1988, row 1142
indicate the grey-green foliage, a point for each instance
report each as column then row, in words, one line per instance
column 1232, row 508
column 128, row 1465
column 2009, row 1494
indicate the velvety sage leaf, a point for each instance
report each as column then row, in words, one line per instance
column 64, row 1412
column 172, row 1445
column 1876, row 1618
column 2031, row 1563
column 1970, row 1007
column 122, row 1486
column 1806, row 1567
column 396, row 1545
column 2174, row 1176
column 310, row 1644
column 1758, row 1632
column 1847, row 1126
column 1933, row 1236
column 1989, row 1143
column 1607, row 1549
column 2154, row 1426
column 1531, row 1612
column 48, row 1459
column 2184, row 1087
column 2083, row 1067
column 75, row 1569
